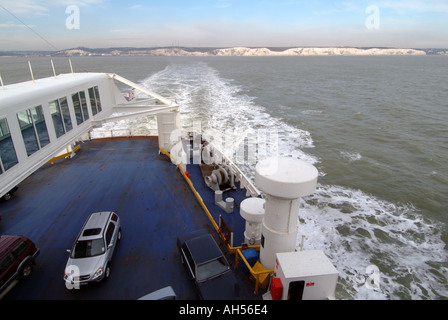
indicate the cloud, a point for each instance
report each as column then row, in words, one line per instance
column 224, row 4
column 42, row 7
column 136, row 7
column 11, row 25
column 24, row 7
column 228, row 22
column 440, row 6
column 82, row 3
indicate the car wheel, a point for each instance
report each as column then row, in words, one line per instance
column 26, row 270
column 7, row 196
column 107, row 272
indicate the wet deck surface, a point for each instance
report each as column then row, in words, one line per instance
column 128, row 176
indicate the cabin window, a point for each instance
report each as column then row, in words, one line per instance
column 61, row 116
column 8, row 156
column 65, row 114
column 95, row 102
column 56, row 115
column 85, row 112
column 34, row 129
column 77, row 107
column 80, row 105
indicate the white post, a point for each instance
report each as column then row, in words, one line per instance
column 284, row 180
column 71, row 67
column 31, row 70
column 54, row 71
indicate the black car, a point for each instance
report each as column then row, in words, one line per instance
column 207, row 266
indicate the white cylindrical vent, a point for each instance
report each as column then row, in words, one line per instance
column 284, row 213
column 230, row 202
column 252, row 210
column 284, row 180
column 218, row 196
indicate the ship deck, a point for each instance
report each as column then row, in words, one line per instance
column 153, row 200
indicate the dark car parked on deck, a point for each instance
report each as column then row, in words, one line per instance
column 207, row 266
column 17, row 258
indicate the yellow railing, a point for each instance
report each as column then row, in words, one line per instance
column 63, row 156
column 256, row 274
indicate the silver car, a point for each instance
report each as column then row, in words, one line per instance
column 92, row 251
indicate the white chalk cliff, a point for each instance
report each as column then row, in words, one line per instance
column 243, row 51
column 248, row 52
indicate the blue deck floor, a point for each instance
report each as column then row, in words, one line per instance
column 144, row 188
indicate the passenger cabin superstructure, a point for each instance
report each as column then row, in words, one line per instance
column 42, row 118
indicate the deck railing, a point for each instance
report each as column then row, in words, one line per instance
column 126, row 132
column 245, row 182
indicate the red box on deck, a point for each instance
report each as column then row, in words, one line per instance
column 276, row 289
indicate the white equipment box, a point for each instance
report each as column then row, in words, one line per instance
column 306, row 275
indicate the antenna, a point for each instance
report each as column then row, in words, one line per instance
column 52, row 65
column 71, row 67
column 1, row 81
column 31, row 70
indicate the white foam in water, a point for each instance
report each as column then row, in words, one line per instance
column 218, row 104
column 351, row 156
column 359, row 232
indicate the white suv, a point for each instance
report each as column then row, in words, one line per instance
column 92, row 251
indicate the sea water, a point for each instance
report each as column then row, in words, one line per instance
column 375, row 127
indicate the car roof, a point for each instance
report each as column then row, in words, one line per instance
column 166, row 293
column 6, row 241
column 94, row 225
column 204, row 248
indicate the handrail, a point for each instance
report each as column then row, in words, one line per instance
column 66, row 155
column 255, row 274
column 198, row 196
column 244, row 180
column 138, row 87
column 125, row 132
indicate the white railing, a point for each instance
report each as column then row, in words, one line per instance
column 127, row 132
column 245, row 182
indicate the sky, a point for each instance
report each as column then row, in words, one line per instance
column 63, row 24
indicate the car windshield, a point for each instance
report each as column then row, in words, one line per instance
column 211, row 269
column 88, row 248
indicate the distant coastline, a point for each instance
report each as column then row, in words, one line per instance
column 231, row 51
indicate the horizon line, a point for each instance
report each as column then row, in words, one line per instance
column 218, row 47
